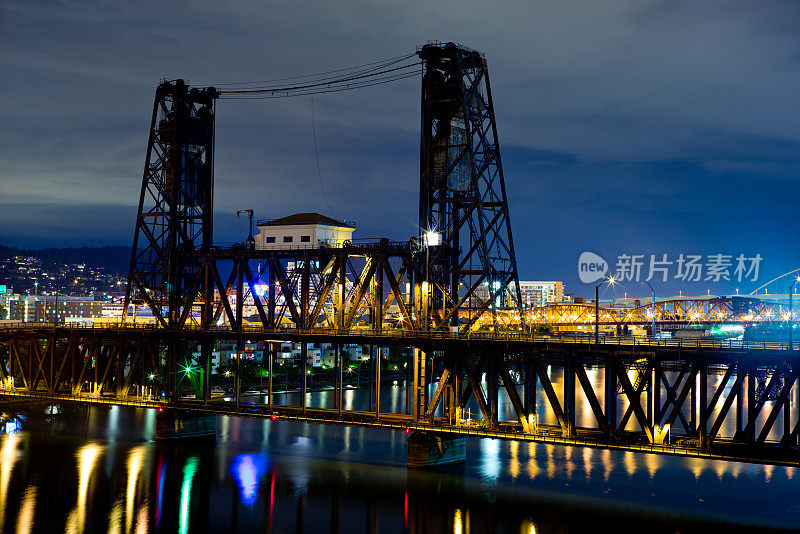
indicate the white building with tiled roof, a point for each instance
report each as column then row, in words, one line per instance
column 302, row 230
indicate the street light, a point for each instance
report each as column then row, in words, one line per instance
column 611, row 281
column 431, row 239
column 653, row 332
column 791, row 312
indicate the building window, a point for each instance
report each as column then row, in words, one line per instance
column 305, row 239
column 271, row 239
column 287, row 239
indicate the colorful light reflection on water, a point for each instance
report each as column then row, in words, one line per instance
column 247, row 470
column 189, row 470
column 285, row 476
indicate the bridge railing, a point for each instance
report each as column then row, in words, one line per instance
column 444, row 335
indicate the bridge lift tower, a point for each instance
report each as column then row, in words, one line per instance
column 462, row 198
column 462, row 191
column 174, row 224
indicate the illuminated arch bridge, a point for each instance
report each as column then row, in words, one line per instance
column 674, row 311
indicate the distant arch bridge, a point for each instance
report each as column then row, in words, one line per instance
column 694, row 310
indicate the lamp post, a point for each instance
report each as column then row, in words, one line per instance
column 653, row 332
column 791, row 312
column 432, row 239
column 610, row 280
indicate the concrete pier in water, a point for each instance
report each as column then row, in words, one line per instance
column 426, row 449
column 180, row 424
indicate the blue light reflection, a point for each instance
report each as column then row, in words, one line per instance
column 247, row 470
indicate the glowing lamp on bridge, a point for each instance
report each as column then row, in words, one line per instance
column 433, row 239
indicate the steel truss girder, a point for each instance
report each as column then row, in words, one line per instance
column 63, row 364
column 336, row 288
column 115, row 364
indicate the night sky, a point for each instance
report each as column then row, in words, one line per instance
column 641, row 127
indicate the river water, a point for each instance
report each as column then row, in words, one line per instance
column 96, row 469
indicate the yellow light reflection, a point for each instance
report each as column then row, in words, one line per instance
column 532, row 468
column 608, row 464
column 514, row 465
column 527, row 527
column 551, row 462
column 26, row 511
column 87, row 457
column 587, row 462
column 719, row 469
column 570, row 465
column 8, row 457
column 768, row 470
column 135, row 463
column 736, row 469
column 458, row 525
column 696, row 466
column 653, row 462
column 629, row 461
column 115, row 518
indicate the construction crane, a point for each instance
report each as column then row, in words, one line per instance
column 251, row 242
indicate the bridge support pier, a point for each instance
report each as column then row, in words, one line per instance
column 420, row 384
column 492, row 379
column 610, row 377
column 426, row 449
column 529, row 391
column 174, row 424
column 702, row 423
column 569, row 395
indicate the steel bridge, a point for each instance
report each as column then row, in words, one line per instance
column 673, row 311
column 671, row 397
column 420, row 298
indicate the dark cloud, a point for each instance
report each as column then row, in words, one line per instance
column 626, row 126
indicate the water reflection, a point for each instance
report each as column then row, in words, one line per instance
column 26, row 518
column 136, row 458
column 160, row 481
column 528, row 527
column 115, row 519
column 458, row 525
column 8, row 457
column 490, row 451
column 284, row 477
column 189, row 471
column 87, row 458
column 248, row 470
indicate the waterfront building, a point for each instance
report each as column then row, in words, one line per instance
column 45, row 308
column 534, row 293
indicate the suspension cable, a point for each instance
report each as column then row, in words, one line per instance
column 373, row 65
column 376, row 74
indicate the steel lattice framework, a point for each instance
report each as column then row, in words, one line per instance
column 174, row 220
column 462, row 190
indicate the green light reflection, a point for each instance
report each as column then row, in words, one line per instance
column 189, row 470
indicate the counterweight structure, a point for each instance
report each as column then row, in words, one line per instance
column 174, row 222
column 462, row 191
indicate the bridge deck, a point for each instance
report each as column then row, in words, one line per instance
column 431, row 338
column 686, row 389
